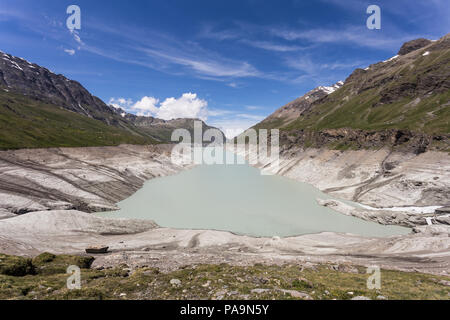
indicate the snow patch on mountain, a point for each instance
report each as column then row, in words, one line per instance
column 333, row 88
column 391, row 59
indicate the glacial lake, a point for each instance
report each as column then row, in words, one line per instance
column 239, row 199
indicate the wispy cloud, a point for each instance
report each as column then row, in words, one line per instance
column 271, row 46
column 70, row 52
column 209, row 32
column 254, row 107
column 166, row 53
column 233, row 85
column 321, row 73
column 205, row 65
column 358, row 35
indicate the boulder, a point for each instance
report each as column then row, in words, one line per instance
column 361, row 298
column 175, row 282
column 444, row 210
column 97, row 250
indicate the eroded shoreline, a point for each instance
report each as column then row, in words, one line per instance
column 96, row 178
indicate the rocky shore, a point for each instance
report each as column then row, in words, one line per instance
column 380, row 179
column 86, row 179
column 58, row 187
column 137, row 244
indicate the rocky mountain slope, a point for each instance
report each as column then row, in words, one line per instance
column 30, row 95
column 88, row 179
column 296, row 108
column 30, row 123
column 402, row 103
column 161, row 130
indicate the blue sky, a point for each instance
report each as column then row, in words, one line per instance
column 230, row 62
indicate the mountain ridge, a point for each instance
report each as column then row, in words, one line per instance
column 23, row 84
column 400, row 101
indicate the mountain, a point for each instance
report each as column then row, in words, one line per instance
column 39, row 108
column 296, row 108
column 403, row 102
column 30, row 123
column 161, row 130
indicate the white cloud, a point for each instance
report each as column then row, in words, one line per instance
column 69, row 51
column 186, row 106
column 189, row 105
column 146, row 105
column 121, row 103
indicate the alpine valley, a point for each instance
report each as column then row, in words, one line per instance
column 377, row 144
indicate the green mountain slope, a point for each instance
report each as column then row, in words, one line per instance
column 29, row 123
column 408, row 93
column 39, row 108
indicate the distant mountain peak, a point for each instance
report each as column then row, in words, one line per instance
column 413, row 45
column 294, row 109
column 19, row 76
column 402, row 100
column 331, row 89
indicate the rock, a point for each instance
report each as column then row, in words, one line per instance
column 5, row 214
column 433, row 230
column 295, row 108
column 413, row 45
column 361, row 298
column 175, row 282
column 444, row 210
column 221, row 294
column 350, row 293
column 97, row 250
column 298, row 294
column 207, row 284
column 260, row 291
column 445, row 283
column 347, row 268
column 381, row 298
column 443, row 220
column 264, row 280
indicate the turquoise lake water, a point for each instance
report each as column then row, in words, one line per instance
column 239, row 199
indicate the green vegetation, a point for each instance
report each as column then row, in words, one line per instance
column 29, row 123
column 408, row 93
column 47, row 280
column 428, row 115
